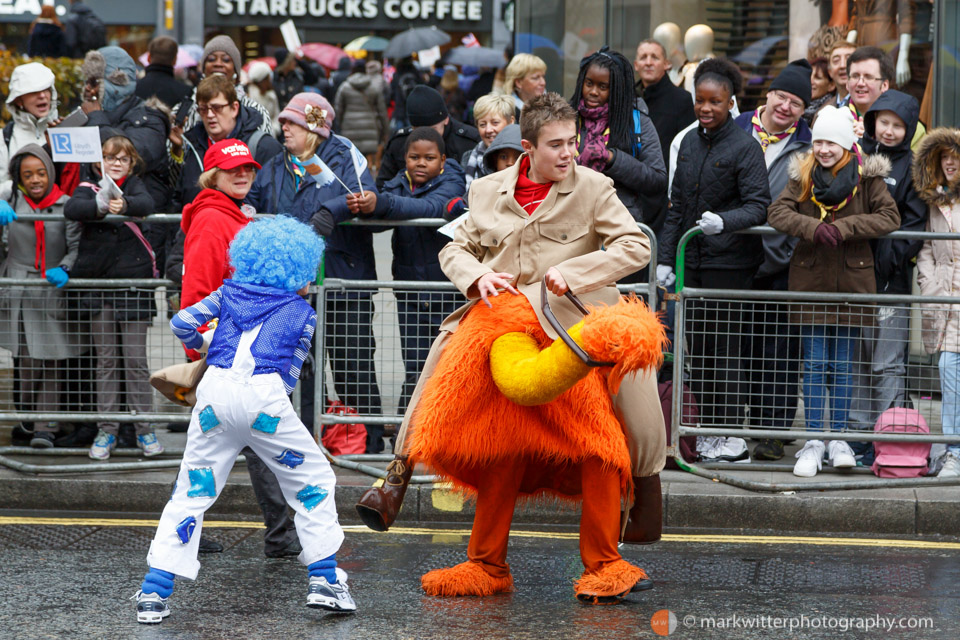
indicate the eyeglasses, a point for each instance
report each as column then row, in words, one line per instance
column 121, row 160
column 216, row 108
column 796, row 105
column 856, row 77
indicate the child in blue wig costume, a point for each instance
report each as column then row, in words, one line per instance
column 263, row 335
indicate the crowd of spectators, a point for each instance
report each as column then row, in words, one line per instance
column 827, row 160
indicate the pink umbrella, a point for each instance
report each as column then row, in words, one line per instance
column 184, row 60
column 326, row 54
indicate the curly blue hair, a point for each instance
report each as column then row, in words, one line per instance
column 279, row 252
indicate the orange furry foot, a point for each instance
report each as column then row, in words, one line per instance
column 465, row 579
column 611, row 583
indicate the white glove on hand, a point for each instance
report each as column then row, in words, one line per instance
column 665, row 275
column 710, row 223
column 103, row 202
column 207, row 339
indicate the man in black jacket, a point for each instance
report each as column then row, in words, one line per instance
column 880, row 367
column 159, row 80
column 425, row 108
column 781, row 132
column 671, row 109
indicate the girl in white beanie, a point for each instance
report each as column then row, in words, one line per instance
column 835, row 202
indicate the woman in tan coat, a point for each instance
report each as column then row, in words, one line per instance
column 936, row 177
column 835, row 202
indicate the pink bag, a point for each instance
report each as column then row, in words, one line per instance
column 901, row 459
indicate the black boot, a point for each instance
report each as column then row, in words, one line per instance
column 83, row 436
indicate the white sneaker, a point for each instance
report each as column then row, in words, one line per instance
column 332, row 597
column 729, row 449
column 151, row 608
column 951, row 467
column 840, row 454
column 709, row 446
column 810, row 459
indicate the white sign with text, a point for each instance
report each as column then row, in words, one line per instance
column 75, row 144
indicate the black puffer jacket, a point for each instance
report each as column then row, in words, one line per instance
column 723, row 172
column 893, row 259
column 147, row 126
column 111, row 249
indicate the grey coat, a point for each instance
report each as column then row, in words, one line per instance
column 362, row 112
column 42, row 310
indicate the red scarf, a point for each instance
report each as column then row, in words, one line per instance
column 40, row 250
column 529, row 194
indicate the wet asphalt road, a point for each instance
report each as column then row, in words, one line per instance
column 73, row 582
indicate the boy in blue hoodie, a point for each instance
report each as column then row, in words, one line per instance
column 422, row 191
column 254, row 356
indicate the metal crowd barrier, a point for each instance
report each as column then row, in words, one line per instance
column 746, row 387
column 377, row 387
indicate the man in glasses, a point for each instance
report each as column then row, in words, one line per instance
column 870, row 74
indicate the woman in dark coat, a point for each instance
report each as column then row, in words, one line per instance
column 46, row 35
column 835, row 202
column 721, row 186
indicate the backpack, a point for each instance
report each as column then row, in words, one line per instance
column 901, row 459
column 92, row 33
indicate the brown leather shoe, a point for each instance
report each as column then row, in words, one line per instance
column 645, row 518
column 379, row 506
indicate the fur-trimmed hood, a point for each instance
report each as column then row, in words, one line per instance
column 874, row 166
column 928, row 178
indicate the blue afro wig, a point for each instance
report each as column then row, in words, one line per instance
column 278, row 252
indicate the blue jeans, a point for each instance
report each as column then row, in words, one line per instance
column 827, row 366
column 950, row 402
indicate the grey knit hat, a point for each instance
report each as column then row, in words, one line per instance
column 227, row 45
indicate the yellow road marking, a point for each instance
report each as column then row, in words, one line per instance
column 887, row 543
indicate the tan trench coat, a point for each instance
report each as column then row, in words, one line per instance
column 583, row 230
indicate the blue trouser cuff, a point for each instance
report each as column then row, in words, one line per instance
column 326, row 568
column 159, row 582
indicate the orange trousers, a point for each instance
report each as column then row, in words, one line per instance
column 497, row 496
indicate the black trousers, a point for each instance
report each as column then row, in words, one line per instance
column 773, row 354
column 420, row 314
column 715, row 338
column 281, row 530
column 350, row 348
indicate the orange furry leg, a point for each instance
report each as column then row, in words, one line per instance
column 465, row 579
column 610, row 584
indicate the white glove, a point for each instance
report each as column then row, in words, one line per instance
column 710, row 223
column 665, row 275
column 207, row 339
column 103, row 201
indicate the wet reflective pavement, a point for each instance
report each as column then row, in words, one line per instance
column 74, row 581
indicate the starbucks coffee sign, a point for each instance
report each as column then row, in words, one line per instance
column 367, row 14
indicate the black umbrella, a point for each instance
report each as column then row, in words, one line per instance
column 406, row 42
column 476, row 57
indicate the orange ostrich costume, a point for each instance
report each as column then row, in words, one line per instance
column 571, row 446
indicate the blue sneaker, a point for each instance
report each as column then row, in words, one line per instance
column 103, row 445
column 150, row 445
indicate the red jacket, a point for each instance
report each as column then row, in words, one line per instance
column 209, row 223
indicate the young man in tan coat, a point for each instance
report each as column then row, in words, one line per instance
column 580, row 238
